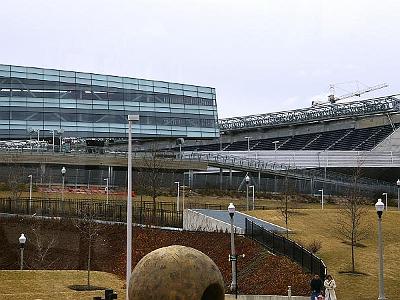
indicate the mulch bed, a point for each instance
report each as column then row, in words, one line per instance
column 258, row 272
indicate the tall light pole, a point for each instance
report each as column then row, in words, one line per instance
column 247, row 181
column 177, row 195
column 106, row 179
column 248, row 142
column 22, row 241
column 30, row 192
column 131, row 119
column 276, row 144
column 53, row 131
column 252, row 187
column 398, row 194
column 61, row 131
column 63, row 171
column 38, row 139
column 232, row 257
column 322, row 198
column 379, row 206
column 386, row 205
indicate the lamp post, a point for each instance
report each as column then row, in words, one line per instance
column 252, row 187
column 106, row 179
column 276, row 144
column 177, row 196
column 131, row 119
column 61, row 131
column 38, row 139
column 322, row 198
column 232, row 257
column 53, row 131
column 247, row 180
column 30, row 192
column 22, row 241
column 398, row 194
column 63, row 171
column 386, row 205
column 379, row 206
column 248, row 142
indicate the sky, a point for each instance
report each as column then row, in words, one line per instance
column 260, row 55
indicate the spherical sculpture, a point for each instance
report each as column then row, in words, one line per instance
column 176, row 273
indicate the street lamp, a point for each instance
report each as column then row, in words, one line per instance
column 247, row 180
column 252, row 187
column 30, row 192
column 106, row 179
column 232, row 257
column 60, row 131
column 276, row 144
column 322, row 198
column 398, row 194
column 53, row 131
column 386, row 205
column 248, row 142
column 177, row 196
column 63, row 171
column 131, row 119
column 379, row 206
column 22, row 241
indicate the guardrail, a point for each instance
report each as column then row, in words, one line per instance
column 280, row 245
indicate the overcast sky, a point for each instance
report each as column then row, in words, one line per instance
column 261, row 56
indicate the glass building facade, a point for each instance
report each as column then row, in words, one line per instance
column 96, row 106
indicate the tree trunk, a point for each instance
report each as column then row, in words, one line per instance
column 88, row 262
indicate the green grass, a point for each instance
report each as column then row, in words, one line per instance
column 315, row 224
column 50, row 285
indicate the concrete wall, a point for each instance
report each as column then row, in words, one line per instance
column 391, row 143
column 195, row 221
column 265, row 297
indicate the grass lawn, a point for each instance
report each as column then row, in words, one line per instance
column 50, row 285
column 315, row 224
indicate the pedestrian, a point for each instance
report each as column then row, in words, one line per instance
column 330, row 286
column 316, row 287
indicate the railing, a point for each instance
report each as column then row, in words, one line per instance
column 387, row 104
column 255, row 164
column 280, row 245
column 112, row 212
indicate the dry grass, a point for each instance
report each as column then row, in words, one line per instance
column 50, row 285
column 315, row 224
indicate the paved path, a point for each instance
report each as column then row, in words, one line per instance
column 239, row 219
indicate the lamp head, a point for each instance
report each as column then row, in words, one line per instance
column 231, row 209
column 63, row 171
column 247, row 179
column 22, row 240
column 379, row 206
column 398, row 182
column 133, row 118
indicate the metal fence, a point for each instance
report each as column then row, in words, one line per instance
column 99, row 210
column 283, row 246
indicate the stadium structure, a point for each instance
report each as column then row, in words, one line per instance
column 314, row 148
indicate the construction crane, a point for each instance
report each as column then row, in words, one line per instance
column 333, row 99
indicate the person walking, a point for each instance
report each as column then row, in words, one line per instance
column 330, row 286
column 316, row 287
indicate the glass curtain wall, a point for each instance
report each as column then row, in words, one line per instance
column 96, row 106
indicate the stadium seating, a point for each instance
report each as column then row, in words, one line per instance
column 343, row 139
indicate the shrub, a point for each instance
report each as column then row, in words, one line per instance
column 314, row 246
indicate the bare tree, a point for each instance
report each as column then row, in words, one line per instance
column 44, row 245
column 16, row 181
column 286, row 207
column 351, row 227
column 150, row 177
column 89, row 229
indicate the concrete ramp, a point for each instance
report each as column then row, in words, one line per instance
column 218, row 220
